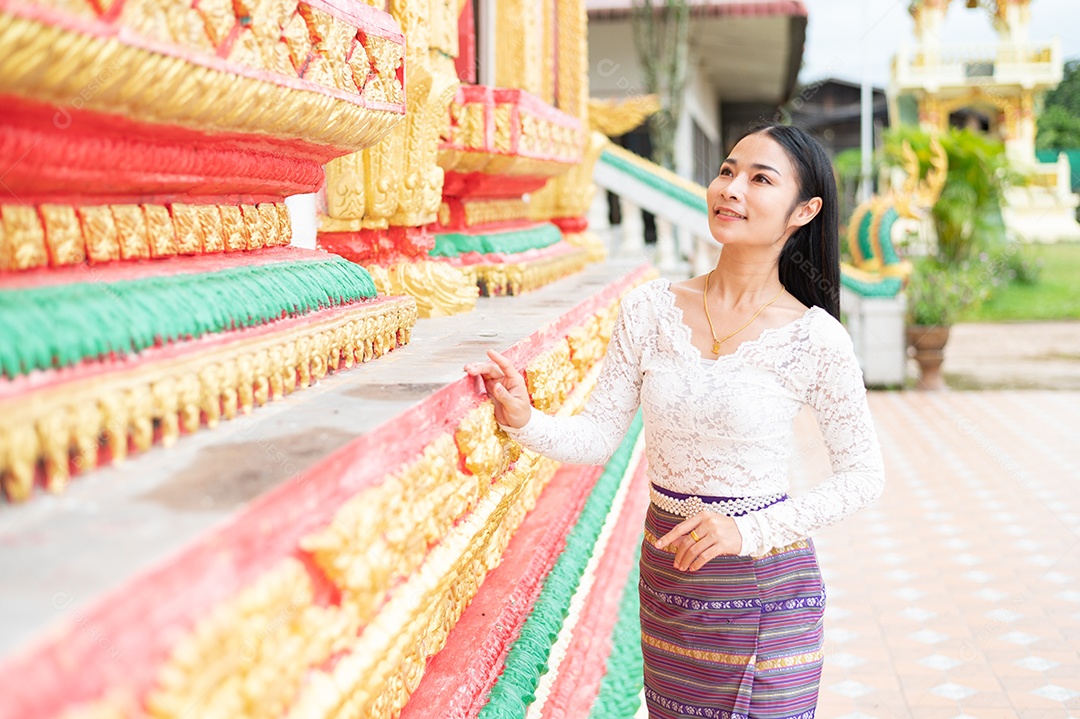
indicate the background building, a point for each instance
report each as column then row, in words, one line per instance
column 995, row 88
column 830, row 109
column 743, row 65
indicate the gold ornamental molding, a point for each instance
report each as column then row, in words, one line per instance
column 515, row 278
column 402, row 560
column 56, row 235
column 407, row 555
column 618, row 117
column 571, row 194
column 303, row 71
column 438, row 288
column 509, row 132
column 178, row 394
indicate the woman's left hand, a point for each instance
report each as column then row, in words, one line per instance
column 700, row 538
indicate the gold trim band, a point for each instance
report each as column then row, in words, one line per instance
column 181, row 394
column 55, row 65
column 57, row 235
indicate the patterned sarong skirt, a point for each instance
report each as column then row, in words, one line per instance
column 740, row 638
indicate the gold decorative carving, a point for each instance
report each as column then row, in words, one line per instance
column 595, row 249
column 520, row 53
column 487, row 451
column 382, row 535
column 56, row 64
column 160, row 231
column 213, row 232
column 549, row 377
column 51, row 423
column 188, row 230
column 297, row 40
column 63, row 235
column 586, row 344
column 547, row 50
column 398, row 181
column 131, row 231
column 468, row 125
column 384, row 170
column 99, row 231
column 444, row 27
column 345, row 195
column 333, row 40
column 386, row 57
column 439, row 289
column 430, row 93
column 573, row 53
column 482, row 212
column 233, row 229
column 102, row 233
column 501, row 140
column 22, row 238
column 571, row 194
column 385, row 662
column 618, row 117
column 514, row 278
column 218, row 17
column 253, row 222
column 545, row 146
column 263, row 640
column 408, row 556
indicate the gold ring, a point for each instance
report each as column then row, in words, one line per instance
column 694, row 535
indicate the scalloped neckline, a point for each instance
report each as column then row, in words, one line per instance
column 687, row 333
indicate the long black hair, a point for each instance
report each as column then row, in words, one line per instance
column 810, row 259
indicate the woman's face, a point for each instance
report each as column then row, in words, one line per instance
column 752, row 200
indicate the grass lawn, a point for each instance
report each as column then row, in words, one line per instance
column 1056, row 296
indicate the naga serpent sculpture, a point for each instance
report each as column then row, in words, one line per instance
column 877, row 222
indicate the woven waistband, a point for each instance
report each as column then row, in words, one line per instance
column 687, row 505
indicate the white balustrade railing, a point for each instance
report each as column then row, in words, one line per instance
column 683, row 243
column 1026, row 64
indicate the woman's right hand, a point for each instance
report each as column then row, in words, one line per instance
column 506, row 387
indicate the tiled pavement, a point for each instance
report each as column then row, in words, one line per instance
column 958, row 593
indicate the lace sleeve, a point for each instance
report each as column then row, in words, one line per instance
column 593, row 435
column 838, row 397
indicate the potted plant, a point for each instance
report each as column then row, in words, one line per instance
column 936, row 294
column 966, row 219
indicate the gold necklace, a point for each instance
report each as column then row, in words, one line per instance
column 717, row 342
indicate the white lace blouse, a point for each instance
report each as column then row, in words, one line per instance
column 725, row 427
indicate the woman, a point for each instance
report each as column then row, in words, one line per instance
column 731, row 594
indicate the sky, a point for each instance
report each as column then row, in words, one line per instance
column 835, row 26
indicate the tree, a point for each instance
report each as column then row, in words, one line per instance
column 660, row 36
column 967, row 215
column 1059, row 123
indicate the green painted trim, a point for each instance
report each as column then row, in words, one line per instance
column 452, row 244
column 888, row 253
column 865, row 245
column 885, row 287
column 43, row 328
column 527, row 659
column 656, row 182
column 620, row 687
column 1074, row 162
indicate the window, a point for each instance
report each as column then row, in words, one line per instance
column 706, row 156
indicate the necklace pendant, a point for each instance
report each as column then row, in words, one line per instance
column 716, row 347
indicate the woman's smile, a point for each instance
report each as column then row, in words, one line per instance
column 728, row 215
